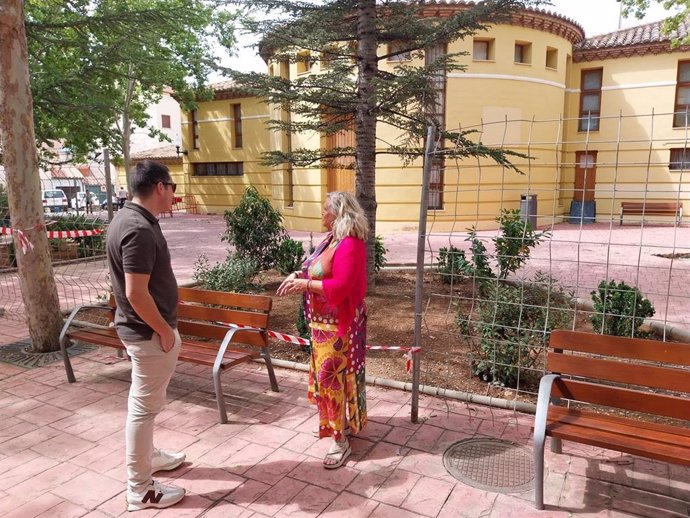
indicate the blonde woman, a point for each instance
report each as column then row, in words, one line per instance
column 334, row 280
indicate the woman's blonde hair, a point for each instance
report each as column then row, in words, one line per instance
column 349, row 216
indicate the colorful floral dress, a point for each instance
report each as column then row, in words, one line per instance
column 336, row 373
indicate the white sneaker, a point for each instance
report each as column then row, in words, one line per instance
column 166, row 460
column 156, row 496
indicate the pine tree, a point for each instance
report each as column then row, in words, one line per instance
column 345, row 35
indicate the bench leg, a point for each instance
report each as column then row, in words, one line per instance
column 269, row 366
column 556, row 445
column 223, row 415
column 63, row 349
column 538, row 450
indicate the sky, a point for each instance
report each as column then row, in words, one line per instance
column 595, row 16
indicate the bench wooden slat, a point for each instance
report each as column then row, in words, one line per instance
column 623, row 398
column 258, row 302
column 652, row 208
column 246, row 318
column 623, row 425
column 217, row 332
column 640, row 445
column 622, row 347
column 633, row 374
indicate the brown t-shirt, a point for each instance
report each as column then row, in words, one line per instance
column 135, row 244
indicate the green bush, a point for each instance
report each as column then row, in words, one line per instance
column 513, row 324
column 302, row 326
column 255, row 229
column 380, row 252
column 451, row 264
column 4, row 206
column 290, row 256
column 88, row 246
column 234, row 274
column 620, row 309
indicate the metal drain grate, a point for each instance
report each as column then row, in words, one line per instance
column 491, row 465
column 17, row 354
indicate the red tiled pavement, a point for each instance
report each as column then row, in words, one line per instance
column 71, row 463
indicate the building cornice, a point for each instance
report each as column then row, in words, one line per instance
column 627, row 51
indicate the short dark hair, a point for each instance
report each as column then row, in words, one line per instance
column 145, row 175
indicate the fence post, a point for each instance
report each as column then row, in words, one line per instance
column 423, row 206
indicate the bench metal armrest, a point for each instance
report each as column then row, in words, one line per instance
column 75, row 312
column 227, row 340
column 543, row 401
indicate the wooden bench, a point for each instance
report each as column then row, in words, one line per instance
column 647, row 377
column 205, row 339
column 649, row 208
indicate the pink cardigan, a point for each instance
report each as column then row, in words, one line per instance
column 347, row 286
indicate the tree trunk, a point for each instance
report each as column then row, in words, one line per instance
column 365, row 123
column 36, row 281
column 127, row 129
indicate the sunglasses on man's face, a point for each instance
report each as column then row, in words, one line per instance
column 171, row 184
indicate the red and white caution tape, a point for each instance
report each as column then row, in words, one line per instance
column 55, row 234
column 303, row 341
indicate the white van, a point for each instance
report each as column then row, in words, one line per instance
column 54, row 200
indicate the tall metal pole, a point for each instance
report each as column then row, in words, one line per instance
column 108, row 184
column 421, row 236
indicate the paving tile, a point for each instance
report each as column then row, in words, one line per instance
column 272, row 501
column 26, row 470
column 219, row 455
column 467, row 502
column 313, row 472
column 397, row 487
column 209, row 482
column 46, row 481
column 275, row 466
column 382, row 458
column 266, row 435
column 228, row 510
column 63, row 447
column 507, row 506
column 308, row 503
column 427, row 464
column 350, row 505
column 248, row 492
column 643, row 503
column 34, row 507
column 425, row 438
column 89, row 489
column 366, row 484
column 247, row 458
column 582, row 494
column 301, row 442
column 44, row 414
column 28, row 389
column 428, row 496
column 16, row 429
column 64, row 510
column 388, row 511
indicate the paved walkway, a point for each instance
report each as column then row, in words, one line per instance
column 62, row 453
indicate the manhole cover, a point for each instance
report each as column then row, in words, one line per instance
column 491, row 465
column 17, row 354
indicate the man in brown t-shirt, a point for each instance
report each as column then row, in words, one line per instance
column 146, row 321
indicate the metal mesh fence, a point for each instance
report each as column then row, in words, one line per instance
column 588, row 235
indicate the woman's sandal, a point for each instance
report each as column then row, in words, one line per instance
column 338, row 452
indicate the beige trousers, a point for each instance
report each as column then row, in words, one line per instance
column 152, row 369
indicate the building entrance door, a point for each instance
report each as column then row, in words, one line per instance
column 583, row 207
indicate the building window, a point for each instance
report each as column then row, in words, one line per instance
column 523, row 53
column 218, row 168
column 483, row 50
column 194, row 124
column 237, row 124
column 303, row 62
column 590, row 99
column 680, row 159
column 396, row 52
column 682, row 107
column 551, row 58
column 165, row 121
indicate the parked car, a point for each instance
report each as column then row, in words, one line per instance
column 116, row 203
column 54, row 200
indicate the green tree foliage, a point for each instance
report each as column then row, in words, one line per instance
column 290, row 256
column 97, row 64
column 380, row 254
column 675, row 25
column 344, row 37
column 255, row 229
column 619, row 309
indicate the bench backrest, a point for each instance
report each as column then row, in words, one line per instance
column 651, row 207
column 627, row 373
column 202, row 313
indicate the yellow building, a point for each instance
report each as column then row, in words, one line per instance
column 580, row 108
